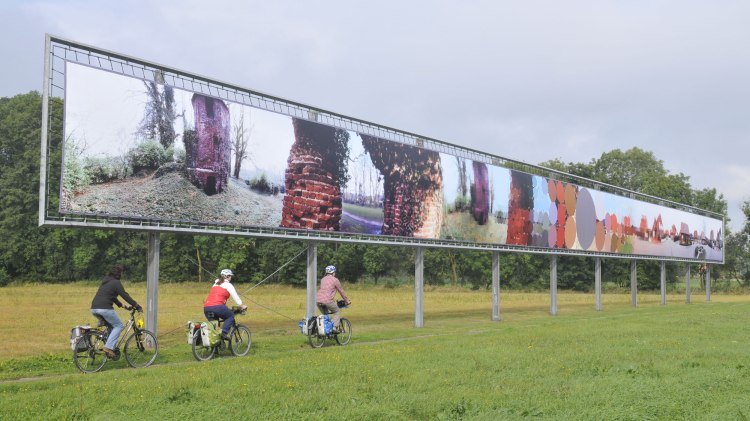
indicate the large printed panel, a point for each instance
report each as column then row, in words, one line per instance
column 145, row 150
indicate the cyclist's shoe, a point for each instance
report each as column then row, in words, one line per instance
column 335, row 331
column 224, row 336
column 109, row 353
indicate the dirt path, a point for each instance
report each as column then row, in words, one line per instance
column 172, row 197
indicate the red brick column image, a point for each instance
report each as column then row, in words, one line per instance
column 314, row 177
column 412, row 187
column 520, row 209
column 208, row 150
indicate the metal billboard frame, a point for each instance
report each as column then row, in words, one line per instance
column 58, row 51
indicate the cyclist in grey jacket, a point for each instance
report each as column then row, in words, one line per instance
column 101, row 305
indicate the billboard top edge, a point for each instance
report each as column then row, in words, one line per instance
column 540, row 170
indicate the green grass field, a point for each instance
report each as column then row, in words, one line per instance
column 655, row 362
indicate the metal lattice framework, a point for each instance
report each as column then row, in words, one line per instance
column 58, row 51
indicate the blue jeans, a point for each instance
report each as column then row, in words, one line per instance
column 111, row 317
column 225, row 313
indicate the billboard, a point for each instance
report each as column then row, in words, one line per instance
column 149, row 149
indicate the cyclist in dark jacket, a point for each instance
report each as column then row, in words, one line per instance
column 101, row 305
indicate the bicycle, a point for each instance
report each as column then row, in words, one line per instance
column 239, row 342
column 141, row 347
column 342, row 335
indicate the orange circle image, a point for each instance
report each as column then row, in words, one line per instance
column 570, row 233
column 552, row 190
column 571, row 196
column 599, row 236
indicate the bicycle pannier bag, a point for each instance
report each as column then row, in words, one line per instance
column 210, row 334
column 324, row 324
column 192, row 327
column 75, row 333
column 307, row 325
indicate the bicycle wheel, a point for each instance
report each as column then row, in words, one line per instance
column 239, row 340
column 89, row 356
column 316, row 341
column 202, row 352
column 141, row 349
column 345, row 332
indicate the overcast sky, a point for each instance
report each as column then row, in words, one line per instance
column 527, row 80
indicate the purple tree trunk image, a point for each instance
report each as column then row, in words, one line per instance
column 209, row 148
column 412, row 187
column 480, row 193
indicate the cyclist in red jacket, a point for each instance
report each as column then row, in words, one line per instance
column 216, row 302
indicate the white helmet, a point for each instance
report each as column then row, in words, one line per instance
column 331, row 269
column 226, row 272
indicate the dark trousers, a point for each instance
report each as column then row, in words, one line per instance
column 225, row 313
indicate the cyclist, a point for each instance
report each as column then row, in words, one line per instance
column 325, row 299
column 101, row 305
column 216, row 302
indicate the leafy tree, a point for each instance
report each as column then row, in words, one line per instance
column 575, row 272
column 524, row 271
column 737, row 251
column 477, row 268
column 634, row 169
column 271, row 254
column 241, row 142
column 347, row 257
column 177, row 261
column 159, row 114
column 437, row 266
column 378, row 260
column 22, row 248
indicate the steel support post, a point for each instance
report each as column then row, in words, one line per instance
column 663, row 283
column 633, row 284
column 495, row 286
column 598, row 282
column 152, row 281
column 687, row 283
column 708, row 283
column 419, row 288
column 312, row 277
column 553, row 284
column 45, row 121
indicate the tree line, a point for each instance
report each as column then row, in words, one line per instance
column 47, row 254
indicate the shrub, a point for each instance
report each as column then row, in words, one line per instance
column 103, row 170
column 179, row 157
column 4, row 277
column 75, row 176
column 461, row 203
column 260, row 184
column 149, row 155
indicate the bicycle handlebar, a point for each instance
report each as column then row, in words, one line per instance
column 239, row 310
column 343, row 304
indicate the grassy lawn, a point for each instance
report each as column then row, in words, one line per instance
column 655, row 362
column 462, row 226
column 367, row 212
